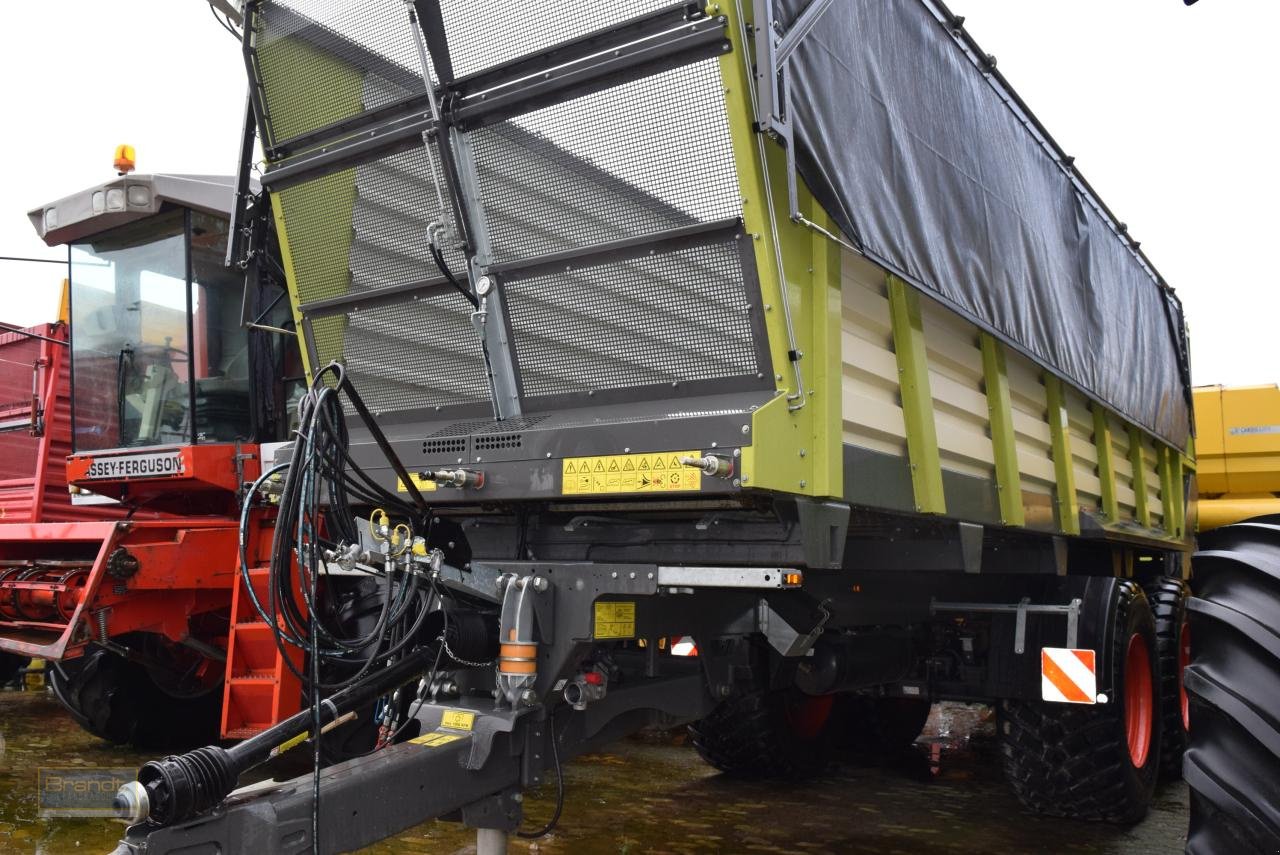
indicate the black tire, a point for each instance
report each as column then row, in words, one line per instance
column 10, row 665
column 1074, row 760
column 119, row 701
column 1232, row 762
column 775, row 735
column 878, row 726
column 1168, row 598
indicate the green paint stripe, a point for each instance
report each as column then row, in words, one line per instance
column 1106, row 463
column 917, row 399
column 1168, row 492
column 1064, row 470
column 1000, row 412
column 1141, row 511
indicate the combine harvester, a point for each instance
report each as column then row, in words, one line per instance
column 162, row 402
column 651, row 320
column 1232, row 695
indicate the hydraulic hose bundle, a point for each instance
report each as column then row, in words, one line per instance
column 355, row 666
column 315, row 522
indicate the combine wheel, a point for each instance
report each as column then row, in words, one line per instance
column 1233, row 681
column 122, row 702
column 1093, row 762
column 783, row 734
column 1168, row 598
column 10, row 665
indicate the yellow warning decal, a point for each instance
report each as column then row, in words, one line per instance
column 458, row 719
column 657, row 472
column 435, row 739
column 418, row 481
column 615, row 620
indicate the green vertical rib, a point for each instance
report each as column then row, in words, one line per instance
column 1064, row 470
column 917, row 400
column 1179, row 498
column 1000, row 412
column 1168, row 494
column 1141, row 512
column 1106, row 466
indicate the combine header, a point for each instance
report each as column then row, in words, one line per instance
column 781, row 326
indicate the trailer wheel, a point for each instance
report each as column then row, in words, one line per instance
column 878, row 726
column 119, row 701
column 783, row 734
column 10, row 666
column 1168, row 598
column 1093, row 762
column 1232, row 762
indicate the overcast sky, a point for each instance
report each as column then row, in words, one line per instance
column 1168, row 109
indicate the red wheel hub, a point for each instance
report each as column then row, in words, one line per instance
column 1184, row 659
column 808, row 714
column 1139, row 699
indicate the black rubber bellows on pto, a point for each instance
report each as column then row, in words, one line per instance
column 184, row 786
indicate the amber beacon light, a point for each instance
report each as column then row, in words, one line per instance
column 126, row 159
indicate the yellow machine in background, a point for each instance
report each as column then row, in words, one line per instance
column 1238, row 446
column 1231, row 648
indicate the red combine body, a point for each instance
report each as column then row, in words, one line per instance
column 35, row 430
column 127, row 584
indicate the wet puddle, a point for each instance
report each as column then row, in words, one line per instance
column 651, row 794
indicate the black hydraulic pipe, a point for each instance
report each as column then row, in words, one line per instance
column 180, row 787
column 380, row 438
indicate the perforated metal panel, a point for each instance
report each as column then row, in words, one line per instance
column 483, row 34
column 646, row 162
column 322, row 61
column 644, row 157
column 417, row 354
column 665, row 318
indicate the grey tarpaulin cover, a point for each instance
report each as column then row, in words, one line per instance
column 919, row 159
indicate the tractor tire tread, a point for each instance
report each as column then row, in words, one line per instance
column 744, row 737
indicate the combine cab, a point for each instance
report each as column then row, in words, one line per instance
column 170, row 396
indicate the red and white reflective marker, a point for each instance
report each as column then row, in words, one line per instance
column 684, row 646
column 1069, row 676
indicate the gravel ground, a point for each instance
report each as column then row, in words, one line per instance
column 651, row 794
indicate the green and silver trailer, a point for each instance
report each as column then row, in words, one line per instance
column 782, row 326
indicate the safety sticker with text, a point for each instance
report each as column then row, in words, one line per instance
column 660, row 472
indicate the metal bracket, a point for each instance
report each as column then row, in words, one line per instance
column 783, row 637
column 727, row 577
column 1020, row 611
column 773, row 82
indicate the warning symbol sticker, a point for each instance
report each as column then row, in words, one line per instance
column 615, row 620
column 629, row 473
column 422, row 482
